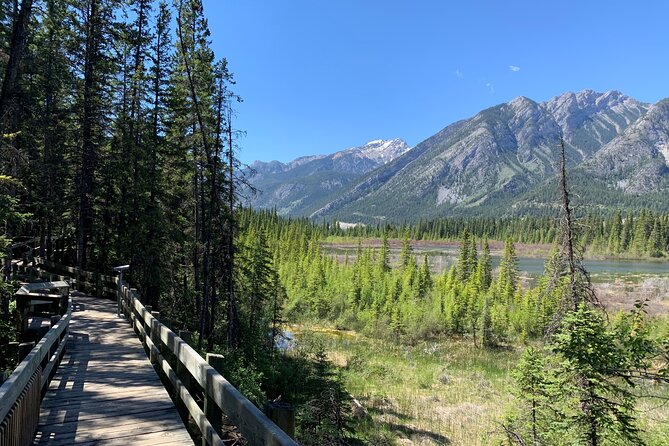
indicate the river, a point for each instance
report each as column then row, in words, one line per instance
column 619, row 283
column 442, row 257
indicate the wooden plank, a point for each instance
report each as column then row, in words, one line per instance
column 99, row 397
column 112, row 425
column 105, row 390
column 63, row 416
column 158, row 438
column 104, row 437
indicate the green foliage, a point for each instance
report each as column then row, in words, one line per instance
column 369, row 293
column 243, row 373
column 10, row 214
column 581, row 391
column 589, row 374
column 533, row 392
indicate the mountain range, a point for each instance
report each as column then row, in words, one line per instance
column 305, row 184
column 502, row 161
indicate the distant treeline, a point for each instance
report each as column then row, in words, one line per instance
column 643, row 233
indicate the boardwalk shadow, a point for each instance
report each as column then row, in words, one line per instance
column 412, row 432
column 105, row 387
column 401, row 423
column 70, row 382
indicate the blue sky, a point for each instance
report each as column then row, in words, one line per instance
column 319, row 76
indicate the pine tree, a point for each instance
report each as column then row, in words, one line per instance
column 590, row 359
column 16, row 52
column 407, row 252
column 532, row 389
column 384, row 254
column 507, row 280
column 487, row 337
column 615, row 235
column 484, row 269
column 464, row 257
column 97, row 26
column 424, row 282
column 655, row 245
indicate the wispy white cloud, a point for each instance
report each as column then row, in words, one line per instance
column 514, row 68
column 491, row 87
column 459, row 74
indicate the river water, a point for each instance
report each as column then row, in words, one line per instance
column 618, row 283
column 441, row 258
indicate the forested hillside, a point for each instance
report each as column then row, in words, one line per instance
column 118, row 136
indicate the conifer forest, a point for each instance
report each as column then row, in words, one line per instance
column 119, row 145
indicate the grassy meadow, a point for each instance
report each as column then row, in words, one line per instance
column 442, row 392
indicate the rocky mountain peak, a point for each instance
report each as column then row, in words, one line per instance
column 521, row 102
column 499, row 160
column 589, row 119
column 380, row 151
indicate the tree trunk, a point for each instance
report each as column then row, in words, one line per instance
column 17, row 46
column 88, row 156
column 568, row 225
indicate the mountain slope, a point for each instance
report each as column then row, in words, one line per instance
column 307, row 183
column 637, row 162
column 487, row 161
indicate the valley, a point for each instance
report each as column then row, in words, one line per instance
column 619, row 282
column 459, row 211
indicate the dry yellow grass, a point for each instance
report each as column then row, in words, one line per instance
column 441, row 393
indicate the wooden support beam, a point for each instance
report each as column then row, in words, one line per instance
column 214, row 413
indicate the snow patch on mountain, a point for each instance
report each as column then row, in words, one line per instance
column 380, row 151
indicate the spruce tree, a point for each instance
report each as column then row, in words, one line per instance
column 507, row 280
column 593, row 404
column 384, row 254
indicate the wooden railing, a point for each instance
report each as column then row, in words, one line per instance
column 95, row 284
column 191, row 377
column 20, row 394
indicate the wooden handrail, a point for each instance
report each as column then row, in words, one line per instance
column 251, row 422
column 44, row 358
column 256, row 428
column 95, row 283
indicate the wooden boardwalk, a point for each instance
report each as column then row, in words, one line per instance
column 105, row 391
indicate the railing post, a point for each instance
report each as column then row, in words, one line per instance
column 98, row 284
column 119, row 270
column 186, row 336
column 182, row 371
column 213, row 413
column 156, row 317
column 118, row 294
column 24, row 349
column 13, row 351
column 155, row 338
column 283, row 415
